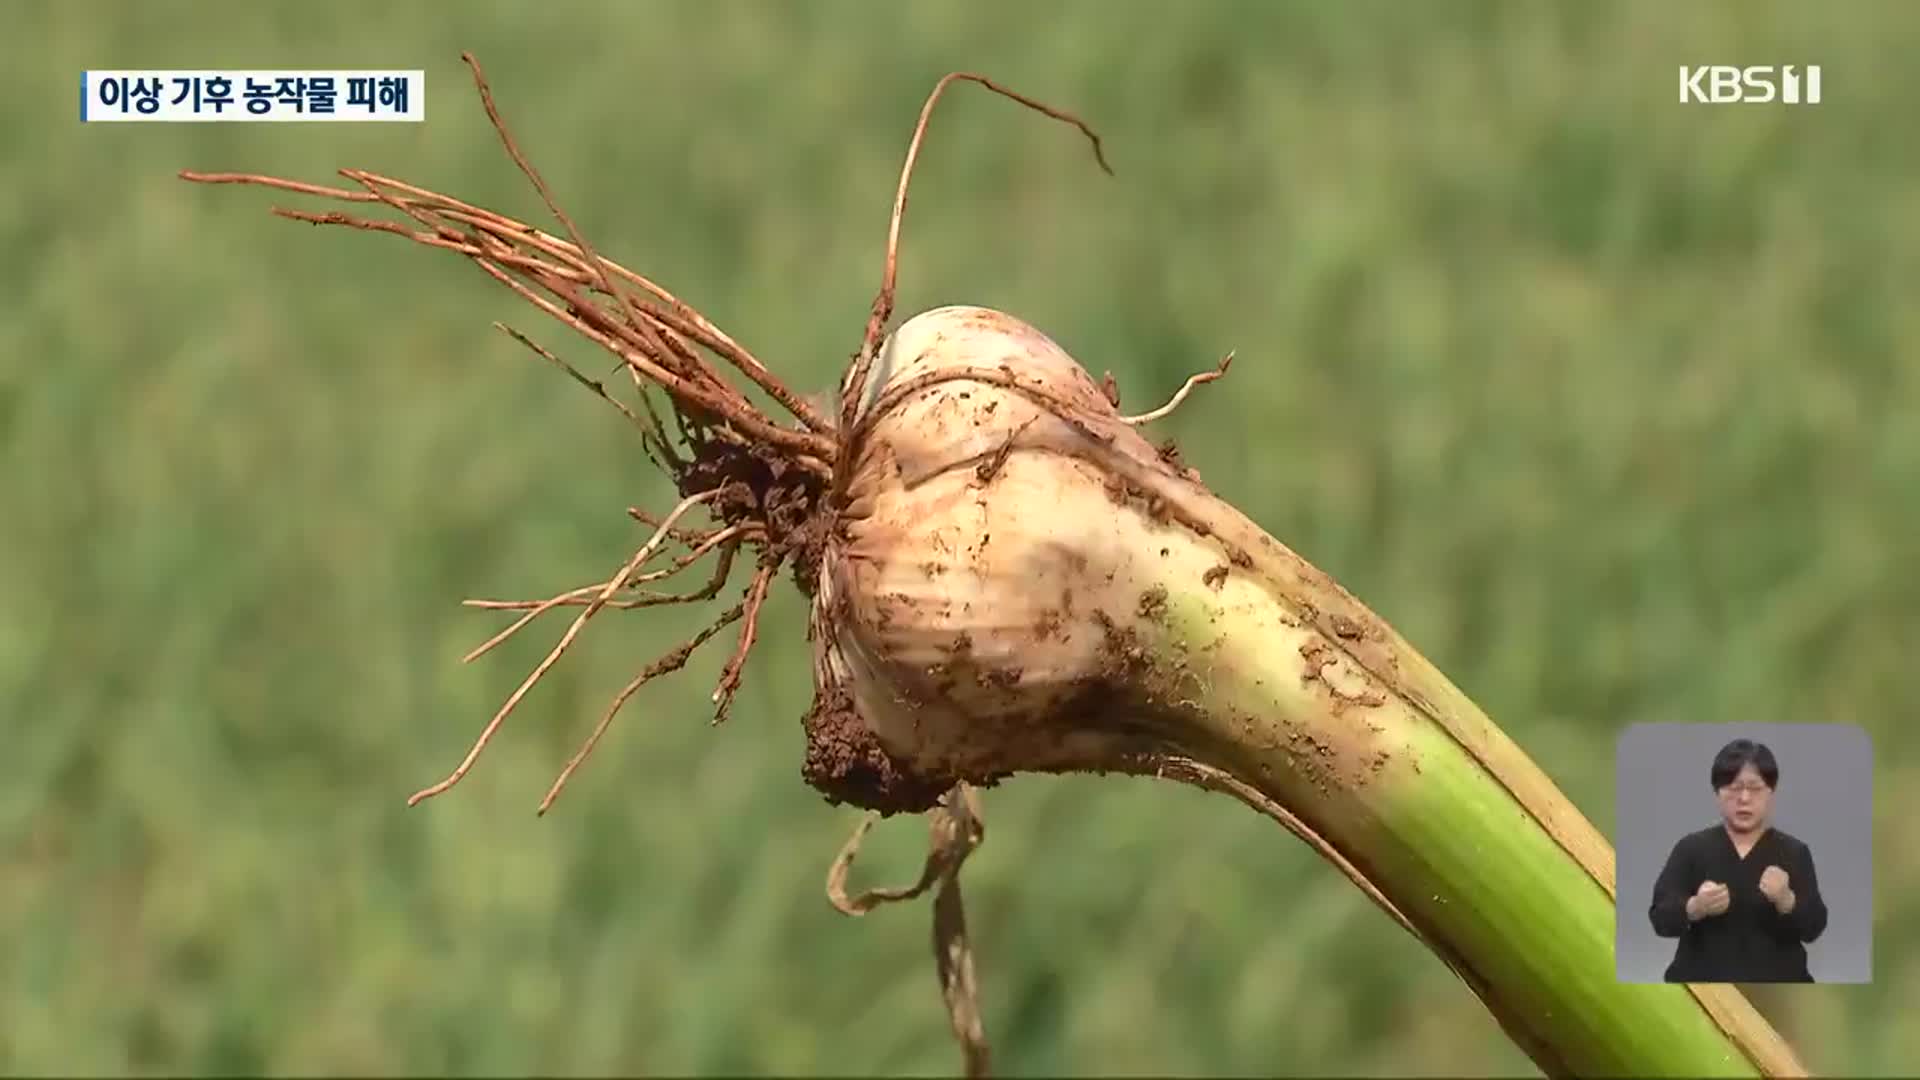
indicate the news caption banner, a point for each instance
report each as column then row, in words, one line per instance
column 230, row 96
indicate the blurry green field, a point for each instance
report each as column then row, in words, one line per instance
column 1609, row 404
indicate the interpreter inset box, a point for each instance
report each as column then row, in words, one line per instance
column 1744, row 854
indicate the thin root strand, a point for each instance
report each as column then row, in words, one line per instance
column 671, row 662
column 588, row 594
column 1181, row 395
column 890, row 271
column 730, row 675
column 612, row 586
column 580, row 377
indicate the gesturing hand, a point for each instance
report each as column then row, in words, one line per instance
column 1774, row 885
column 1709, row 899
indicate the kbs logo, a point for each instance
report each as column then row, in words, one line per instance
column 1784, row 83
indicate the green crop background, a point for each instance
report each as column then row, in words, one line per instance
column 1610, row 404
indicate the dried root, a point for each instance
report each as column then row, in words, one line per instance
column 883, row 301
column 761, row 477
column 613, row 585
column 956, row 830
column 1179, row 396
column 767, row 482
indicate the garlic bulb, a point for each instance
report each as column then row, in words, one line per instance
column 987, row 574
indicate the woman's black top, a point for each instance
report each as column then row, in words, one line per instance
column 1750, row 941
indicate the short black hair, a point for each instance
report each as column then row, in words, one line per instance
column 1737, row 755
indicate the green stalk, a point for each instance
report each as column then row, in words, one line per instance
column 1289, row 685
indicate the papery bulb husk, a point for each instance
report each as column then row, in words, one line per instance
column 981, row 581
